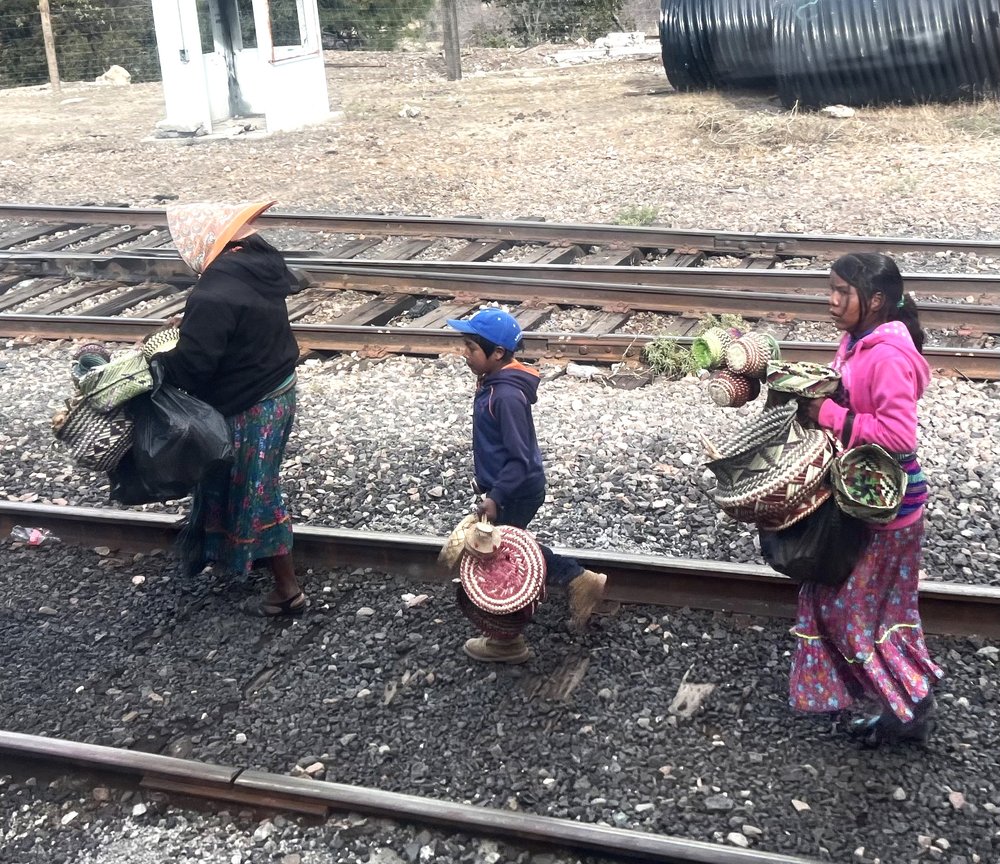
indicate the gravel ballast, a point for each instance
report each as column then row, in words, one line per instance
column 386, row 446
column 372, row 685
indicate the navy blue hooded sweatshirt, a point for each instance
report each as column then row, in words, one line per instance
column 508, row 463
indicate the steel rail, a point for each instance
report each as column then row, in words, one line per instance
column 318, row 797
column 946, row 607
column 523, row 231
column 974, row 363
column 462, row 277
column 692, row 299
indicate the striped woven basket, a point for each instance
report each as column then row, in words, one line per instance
column 111, row 385
column 812, row 380
column 750, row 354
column 509, row 579
column 799, row 511
column 768, row 426
column 709, row 349
column 729, row 390
column 778, row 478
column 95, row 439
column 161, row 340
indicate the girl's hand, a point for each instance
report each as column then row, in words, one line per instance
column 809, row 411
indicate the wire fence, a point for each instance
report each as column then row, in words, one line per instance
column 89, row 38
column 92, row 35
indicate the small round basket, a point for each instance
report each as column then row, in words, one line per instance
column 729, row 390
column 868, row 483
column 93, row 348
column 509, row 579
column 811, row 380
column 750, row 354
column 709, row 349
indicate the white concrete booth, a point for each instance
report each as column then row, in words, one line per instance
column 223, row 60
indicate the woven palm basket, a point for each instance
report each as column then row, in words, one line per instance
column 750, row 354
column 729, row 390
column 111, row 385
column 709, row 349
column 510, row 578
column 868, row 483
column 85, row 364
column 812, row 380
column 778, row 478
column 451, row 551
column 162, row 340
column 93, row 348
column 769, row 426
column 95, row 439
column 809, row 505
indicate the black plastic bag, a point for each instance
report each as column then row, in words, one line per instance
column 177, row 440
column 823, row 547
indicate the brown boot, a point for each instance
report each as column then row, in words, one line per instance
column 488, row 650
column 585, row 595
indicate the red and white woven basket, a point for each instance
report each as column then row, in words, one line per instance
column 510, row 578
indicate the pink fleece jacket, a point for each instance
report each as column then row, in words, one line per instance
column 883, row 375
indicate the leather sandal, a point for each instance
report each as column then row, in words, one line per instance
column 294, row 605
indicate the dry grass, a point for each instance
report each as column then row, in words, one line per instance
column 748, row 125
column 769, row 129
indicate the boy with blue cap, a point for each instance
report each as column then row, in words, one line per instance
column 508, row 471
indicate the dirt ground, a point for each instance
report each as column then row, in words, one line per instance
column 521, row 135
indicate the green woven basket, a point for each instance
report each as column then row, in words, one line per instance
column 109, row 386
column 868, row 483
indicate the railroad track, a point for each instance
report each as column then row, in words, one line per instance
column 124, row 268
column 267, row 791
column 946, row 607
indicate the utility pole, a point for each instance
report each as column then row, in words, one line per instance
column 452, row 45
column 50, row 44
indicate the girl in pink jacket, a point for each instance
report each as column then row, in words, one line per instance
column 863, row 639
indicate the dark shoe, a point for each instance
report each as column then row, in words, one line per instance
column 294, row 605
column 887, row 728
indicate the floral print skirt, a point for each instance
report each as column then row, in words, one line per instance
column 863, row 639
column 240, row 516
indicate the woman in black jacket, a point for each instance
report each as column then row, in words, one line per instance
column 237, row 352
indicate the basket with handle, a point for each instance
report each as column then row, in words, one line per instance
column 111, row 385
column 96, row 439
column 869, row 483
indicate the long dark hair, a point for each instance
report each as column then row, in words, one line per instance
column 872, row 273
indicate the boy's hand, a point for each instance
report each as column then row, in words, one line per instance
column 487, row 509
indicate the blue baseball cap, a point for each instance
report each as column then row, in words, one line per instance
column 494, row 325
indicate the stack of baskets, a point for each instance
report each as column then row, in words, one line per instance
column 739, row 360
column 95, row 425
column 771, row 471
